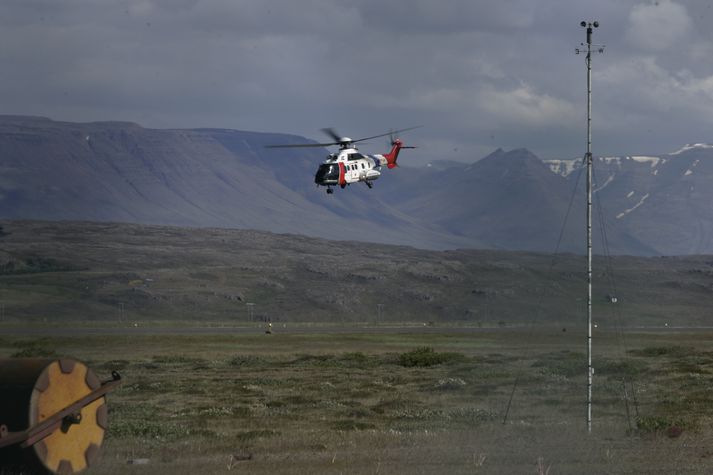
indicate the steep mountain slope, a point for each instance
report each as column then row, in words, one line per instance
column 498, row 198
column 678, row 213
column 111, row 171
column 511, row 200
column 122, row 172
column 666, row 201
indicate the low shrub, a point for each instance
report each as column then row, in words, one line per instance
column 351, row 425
column 673, row 351
column 34, row 352
column 33, row 349
column 426, row 356
column 660, row 425
column 565, row 363
column 619, row 368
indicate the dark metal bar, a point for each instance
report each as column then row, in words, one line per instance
column 34, row 434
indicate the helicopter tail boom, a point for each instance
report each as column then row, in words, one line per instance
column 393, row 155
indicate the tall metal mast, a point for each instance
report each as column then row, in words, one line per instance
column 588, row 159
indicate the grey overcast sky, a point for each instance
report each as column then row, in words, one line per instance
column 477, row 74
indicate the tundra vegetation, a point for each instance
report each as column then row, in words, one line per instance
column 105, row 274
column 405, row 402
column 382, row 359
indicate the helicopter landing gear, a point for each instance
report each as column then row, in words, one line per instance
column 369, row 184
column 329, row 191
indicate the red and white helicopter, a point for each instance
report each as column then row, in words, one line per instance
column 348, row 166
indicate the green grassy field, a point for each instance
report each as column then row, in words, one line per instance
column 408, row 402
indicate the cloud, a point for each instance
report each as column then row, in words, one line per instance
column 643, row 85
column 524, row 105
column 658, row 26
column 479, row 74
column 454, row 17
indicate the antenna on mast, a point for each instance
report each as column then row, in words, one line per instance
column 588, row 158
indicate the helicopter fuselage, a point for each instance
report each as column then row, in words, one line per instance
column 350, row 166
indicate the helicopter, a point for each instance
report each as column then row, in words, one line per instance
column 348, row 165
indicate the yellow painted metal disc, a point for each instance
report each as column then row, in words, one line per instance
column 74, row 446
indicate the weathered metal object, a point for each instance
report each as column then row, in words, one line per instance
column 53, row 414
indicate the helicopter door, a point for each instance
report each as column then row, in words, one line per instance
column 342, row 174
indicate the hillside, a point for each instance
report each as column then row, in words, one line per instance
column 121, row 172
column 510, row 200
column 120, row 273
column 664, row 201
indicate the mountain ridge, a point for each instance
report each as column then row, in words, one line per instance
column 114, row 171
column 109, row 171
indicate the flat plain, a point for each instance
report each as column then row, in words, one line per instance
column 398, row 402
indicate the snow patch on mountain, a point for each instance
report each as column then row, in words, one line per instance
column 689, row 146
column 563, row 167
column 610, row 160
column 624, row 213
column 609, row 179
column 654, row 161
column 690, row 170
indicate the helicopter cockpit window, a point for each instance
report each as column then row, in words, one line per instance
column 327, row 172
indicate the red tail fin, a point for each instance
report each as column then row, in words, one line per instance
column 393, row 154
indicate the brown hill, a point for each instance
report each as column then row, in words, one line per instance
column 117, row 273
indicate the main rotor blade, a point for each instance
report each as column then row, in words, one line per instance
column 338, row 139
column 393, row 132
column 303, row 145
column 332, row 133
